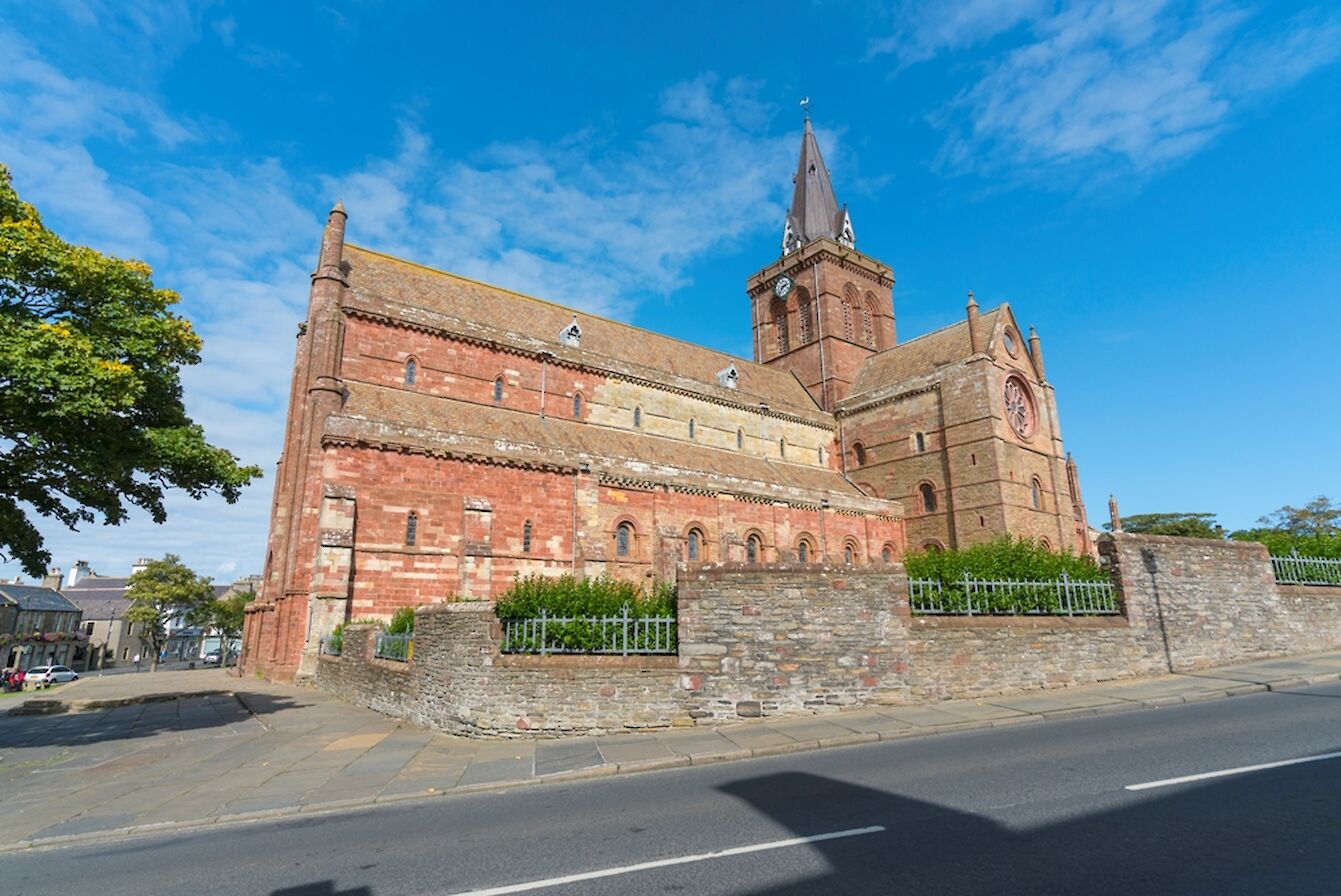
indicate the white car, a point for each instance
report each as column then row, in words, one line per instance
column 45, row 676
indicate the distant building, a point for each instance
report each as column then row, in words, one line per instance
column 112, row 638
column 38, row 627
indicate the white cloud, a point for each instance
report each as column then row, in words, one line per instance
column 572, row 221
column 1111, row 88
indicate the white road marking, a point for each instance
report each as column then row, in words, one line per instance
column 1241, row 770
column 663, row 863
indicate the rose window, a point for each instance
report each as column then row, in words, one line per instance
column 1019, row 407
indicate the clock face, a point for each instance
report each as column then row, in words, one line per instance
column 782, row 286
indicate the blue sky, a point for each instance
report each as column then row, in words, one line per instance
column 1153, row 185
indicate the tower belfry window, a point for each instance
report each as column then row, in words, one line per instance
column 780, row 326
column 411, row 368
column 807, row 325
column 847, row 320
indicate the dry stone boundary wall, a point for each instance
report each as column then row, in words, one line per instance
column 793, row 639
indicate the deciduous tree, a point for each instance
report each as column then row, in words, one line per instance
column 1188, row 525
column 91, row 413
column 162, row 590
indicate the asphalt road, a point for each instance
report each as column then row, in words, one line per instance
column 1043, row 808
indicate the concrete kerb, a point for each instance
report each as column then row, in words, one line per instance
column 652, row 765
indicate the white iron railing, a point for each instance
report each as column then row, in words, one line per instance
column 623, row 634
column 1297, row 570
column 970, row 596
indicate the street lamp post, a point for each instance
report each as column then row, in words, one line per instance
column 106, row 644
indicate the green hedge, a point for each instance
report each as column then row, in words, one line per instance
column 567, row 596
column 582, row 600
column 1022, row 559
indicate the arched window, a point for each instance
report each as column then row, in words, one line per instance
column 623, row 539
column 782, row 447
column 577, row 404
column 740, row 440
column 1036, row 493
column 867, row 325
column 526, row 538
column 821, row 455
column 859, row 454
column 887, row 554
column 847, row 320
column 926, row 492
column 754, row 548
column 1043, row 543
column 780, row 326
column 849, row 556
column 411, row 368
column 807, row 324
column 932, row 547
column 411, row 528
column 637, row 418
column 691, row 427
column 920, row 440
column 803, row 551
column 498, row 390
column 693, row 545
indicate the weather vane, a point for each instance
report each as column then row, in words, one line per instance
column 805, row 106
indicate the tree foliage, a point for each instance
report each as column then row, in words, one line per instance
column 91, row 413
column 1313, row 530
column 164, row 589
column 1004, row 558
column 1188, row 525
column 226, row 616
column 1318, row 517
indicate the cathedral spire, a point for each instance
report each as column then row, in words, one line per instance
column 815, row 212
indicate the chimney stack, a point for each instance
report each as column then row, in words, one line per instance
column 79, row 571
column 972, row 308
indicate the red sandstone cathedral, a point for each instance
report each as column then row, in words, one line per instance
column 445, row 435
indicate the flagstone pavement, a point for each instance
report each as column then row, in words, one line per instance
column 149, row 751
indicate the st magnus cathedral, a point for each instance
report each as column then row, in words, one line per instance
column 445, row 435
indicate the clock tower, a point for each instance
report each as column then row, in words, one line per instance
column 823, row 308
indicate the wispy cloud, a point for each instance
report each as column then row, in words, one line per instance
column 1128, row 86
column 570, row 220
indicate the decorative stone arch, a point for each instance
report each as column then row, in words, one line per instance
column 805, row 548
column 851, row 551
column 850, row 299
column 870, row 311
column 696, row 543
column 411, row 372
column 933, row 546
column 868, row 489
column 754, row 546
column 926, row 497
column 889, row 552
column 778, row 312
column 1045, row 544
column 624, row 539
column 805, row 315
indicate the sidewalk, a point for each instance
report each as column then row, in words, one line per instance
column 138, row 753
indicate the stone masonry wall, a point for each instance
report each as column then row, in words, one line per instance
column 799, row 639
column 762, row 640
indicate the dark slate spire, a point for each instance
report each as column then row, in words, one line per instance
column 815, row 212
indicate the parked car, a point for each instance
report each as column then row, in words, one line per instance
column 46, row 676
column 213, row 658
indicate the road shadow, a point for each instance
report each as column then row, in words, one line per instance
column 141, row 720
column 322, row 888
column 1270, row 832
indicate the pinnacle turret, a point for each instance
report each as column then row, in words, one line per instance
column 815, row 212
